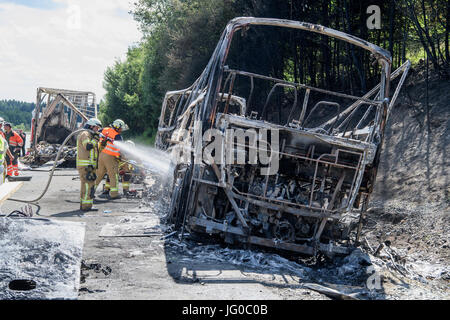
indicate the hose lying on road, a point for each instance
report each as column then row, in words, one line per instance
column 53, row 169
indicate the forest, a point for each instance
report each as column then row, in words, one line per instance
column 18, row 113
column 179, row 37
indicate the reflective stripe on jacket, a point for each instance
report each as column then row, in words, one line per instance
column 110, row 148
column 14, row 140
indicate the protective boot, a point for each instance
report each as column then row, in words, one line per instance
column 87, row 191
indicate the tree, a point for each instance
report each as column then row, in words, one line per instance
column 124, row 92
column 180, row 35
column 18, row 113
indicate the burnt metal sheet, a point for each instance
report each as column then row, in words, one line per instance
column 243, row 21
column 40, row 259
column 60, row 108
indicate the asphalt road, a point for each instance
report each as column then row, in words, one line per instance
column 147, row 267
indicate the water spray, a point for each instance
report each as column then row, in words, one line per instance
column 152, row 159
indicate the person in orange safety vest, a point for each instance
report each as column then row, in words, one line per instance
column 108, row 161
column 15, row 143
column 4, row 152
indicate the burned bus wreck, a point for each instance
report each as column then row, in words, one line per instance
column 269, row 160
column 58, row 113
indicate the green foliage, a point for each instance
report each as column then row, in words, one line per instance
column 124, row 94
column 18, row 113
column 179, row 37
column 21, row 126
column 142, row 139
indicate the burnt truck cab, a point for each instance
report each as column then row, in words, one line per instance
column 270, row 168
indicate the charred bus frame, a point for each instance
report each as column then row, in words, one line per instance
column 330, row 169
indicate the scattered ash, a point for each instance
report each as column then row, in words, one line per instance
column 157, row 190
column 39, row 258
column 86, row 267
column 390, row 273
column 359, row 275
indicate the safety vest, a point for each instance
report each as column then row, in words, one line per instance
column 14, row 140
column 86, row 157
column 110, row 148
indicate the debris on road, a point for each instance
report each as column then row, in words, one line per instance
column 45, row 152
column 40, row 258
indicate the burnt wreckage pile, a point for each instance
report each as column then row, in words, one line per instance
column 311, row 192
column 58, row 113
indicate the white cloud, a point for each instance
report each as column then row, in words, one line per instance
column 68, row 47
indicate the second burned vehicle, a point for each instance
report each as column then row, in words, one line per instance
column 58, row 113
column 270, row 154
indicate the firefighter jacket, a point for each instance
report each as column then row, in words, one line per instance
column 86, row 155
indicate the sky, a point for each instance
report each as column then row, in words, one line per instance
column 65, row 44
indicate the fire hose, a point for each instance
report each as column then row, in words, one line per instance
column 53, row 168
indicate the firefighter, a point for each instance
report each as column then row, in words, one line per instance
column 108, row 162
column 15, row 143
column 126, row 170
column 127, row 167
column 4, row 151
column 87, row 156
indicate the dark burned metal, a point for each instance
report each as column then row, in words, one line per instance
column 59, row 112
column 326, row 172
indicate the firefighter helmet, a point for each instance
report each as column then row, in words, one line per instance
column 94, row 122
column 119, row 124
